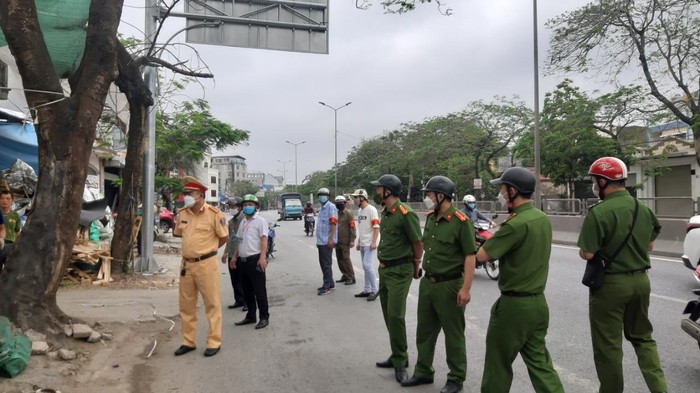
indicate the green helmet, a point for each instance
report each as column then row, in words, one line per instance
column 251, row 198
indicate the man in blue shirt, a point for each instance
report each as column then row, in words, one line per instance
column 326, row 237
column 470, row 210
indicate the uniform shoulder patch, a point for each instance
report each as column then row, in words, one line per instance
column 461, row 216
column 403, row 209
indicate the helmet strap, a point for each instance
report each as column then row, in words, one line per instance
column 601, row 186
column 438, row 204
column 511, row 199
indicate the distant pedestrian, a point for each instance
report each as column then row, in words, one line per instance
column 622, row 303
column 326, row 237
column 367, row 238
column 12, row 220
column 520, row 317
column 400, row 251
column 346, row 241
column 204, row 230
column 472, row 212
column 445, row 290
column 250, row 257
column 234, row 207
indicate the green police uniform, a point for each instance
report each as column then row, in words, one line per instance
column 447, row 242
column 399, row 229
column 520, row 317
column 622, row 303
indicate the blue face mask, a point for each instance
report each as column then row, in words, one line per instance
column 248, row 210
column 471, row 205
column 323, row 199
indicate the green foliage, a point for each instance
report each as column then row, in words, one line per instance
column 185, row 136
column 241, row 188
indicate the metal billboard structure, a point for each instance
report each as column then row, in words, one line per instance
column 287, row 25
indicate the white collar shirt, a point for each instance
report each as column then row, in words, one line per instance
column 250, row 232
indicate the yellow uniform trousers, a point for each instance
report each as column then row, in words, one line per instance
column 201, row 277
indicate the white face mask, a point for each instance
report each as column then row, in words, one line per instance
column 595, row 191
column 429, row 204
column 234, row 212
column 502, row 200
column 189, row 201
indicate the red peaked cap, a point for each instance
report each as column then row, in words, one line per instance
column 193, row 184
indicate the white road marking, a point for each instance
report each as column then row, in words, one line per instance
column 672, row 299
column 677, row 260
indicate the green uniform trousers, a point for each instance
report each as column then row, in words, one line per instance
column 518, row 325
column 394, row 283
column 437, row 309
column 622, row 305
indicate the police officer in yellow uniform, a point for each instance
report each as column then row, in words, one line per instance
column 400, row 250
column 204, row 230
column 448, row 263
column 520, row 317
column 622, row 303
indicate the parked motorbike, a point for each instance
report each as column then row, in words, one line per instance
column 482, row 235
column 690, row 325
column 271, row 234
column 691, row 247
column 309, row 224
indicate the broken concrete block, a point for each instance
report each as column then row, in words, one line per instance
column 33, row 335
column 39, row 348
column 68, row 330
column 66, row 354
column 95, row 336
column 81, row 331
column 52, row 355
column 107, row 336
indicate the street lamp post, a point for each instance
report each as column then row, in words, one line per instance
column 538, row 168
column 284, row 171
column 296, row 180
column 335, row 136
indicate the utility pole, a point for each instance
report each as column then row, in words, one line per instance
column 284, row 171
column 296, row 180
column 335, row 136
column 538, row 169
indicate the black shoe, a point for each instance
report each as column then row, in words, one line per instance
column 372, row 296
column 363, row 294
column 262, row 324
column 401, row 375
column 183, row 350
column 245, row 308
column 235, row 305
column 387, row 364
column 324, row 291
column 350, row 281
column 211, row 351
column 415, row 381
column 245, row 321
column 342, row 279
column 451, row 387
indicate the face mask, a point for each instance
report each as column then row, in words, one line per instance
column 595, row 191
column 323, row 199
column 189, row 201
column 429, row 204
column 471, row 205
column 248, row 210
column 234, row 212
column 502, row 200
column 340, row 206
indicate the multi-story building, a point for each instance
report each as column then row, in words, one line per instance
column 209, row 175
column 231, row 169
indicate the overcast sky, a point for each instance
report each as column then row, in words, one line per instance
column 394, row 69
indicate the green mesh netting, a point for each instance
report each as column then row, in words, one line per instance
column 15, row 350
column 63, row 23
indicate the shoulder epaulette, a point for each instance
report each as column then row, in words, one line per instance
column 403, row 209
column 462, row 217
column 214, row 209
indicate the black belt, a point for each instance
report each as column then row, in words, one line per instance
column 435, row 278
column 631, row 273
column 252, row 258
column 395, row 262
column 519, row 294
column 201, row 258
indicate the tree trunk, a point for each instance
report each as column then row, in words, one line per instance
column 65, row 133
column 130, row 82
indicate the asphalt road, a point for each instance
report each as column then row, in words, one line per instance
column 330, row 343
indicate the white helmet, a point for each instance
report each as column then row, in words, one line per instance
column 360, row 192
column 323, row 191
column 469, row 199
column 340, row 199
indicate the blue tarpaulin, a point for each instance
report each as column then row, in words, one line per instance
column 18, row 141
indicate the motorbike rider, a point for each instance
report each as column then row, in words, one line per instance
column 308, row 209
column 472, row 212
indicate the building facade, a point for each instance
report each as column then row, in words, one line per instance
column 231, row 169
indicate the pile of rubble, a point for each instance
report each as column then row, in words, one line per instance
column 78, row 331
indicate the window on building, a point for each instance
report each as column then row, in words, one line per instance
column 213, row 180
column 213, row 193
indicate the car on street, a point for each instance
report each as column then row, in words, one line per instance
column 167, row 220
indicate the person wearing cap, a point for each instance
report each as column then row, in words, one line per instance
column 204, row 230
column 249, row 256
column 621, row 304
column 520, row 317
column 326, row 238
column 474, row 214
column 346, row 241
column 445, row 290
column 400, row 251
column 367, row 237
column 234, row 207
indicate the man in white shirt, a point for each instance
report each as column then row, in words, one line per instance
column 367, row 239
column 249, row 256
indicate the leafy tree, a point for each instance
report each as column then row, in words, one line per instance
column 657, row 38
column 241, row 188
